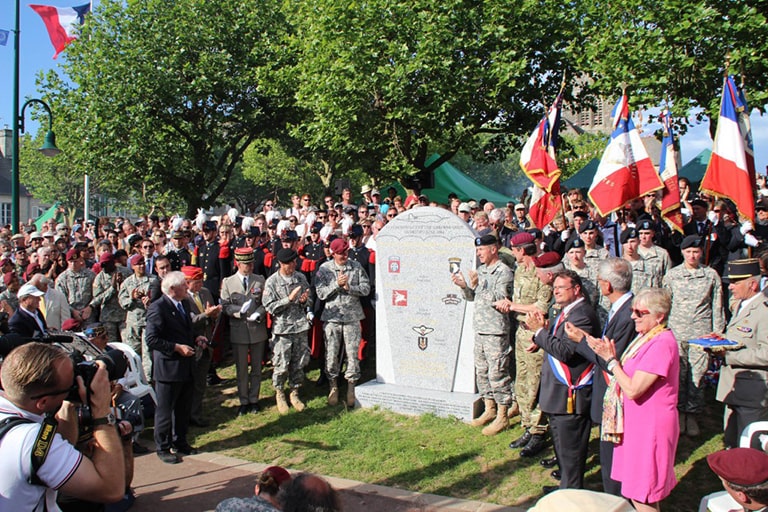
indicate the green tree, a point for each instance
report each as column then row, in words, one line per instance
column 388, row 81
column 165, row 97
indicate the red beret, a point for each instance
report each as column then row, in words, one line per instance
column 740, row 466
column 136, row 259
column 106, row 257
column 72, row 254
column 8, row 277
column 548, row 259
column 339, row 246
column 521, row 239
column 281, row 475
column 192, row 273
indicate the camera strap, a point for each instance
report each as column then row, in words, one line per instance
column 42, row 442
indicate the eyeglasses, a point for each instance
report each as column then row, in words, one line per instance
column 305, row 199
column 147, row 246
column 72, row 388
column 391, row 215
column 640, row 313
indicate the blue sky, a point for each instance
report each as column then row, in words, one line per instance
column 36, row 54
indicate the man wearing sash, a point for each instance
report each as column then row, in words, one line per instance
column 566, row 377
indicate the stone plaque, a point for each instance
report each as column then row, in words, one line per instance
column 424, row 337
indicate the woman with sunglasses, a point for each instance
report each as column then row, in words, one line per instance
column 640, row 405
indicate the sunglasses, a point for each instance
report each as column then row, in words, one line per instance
column 72, row 388
column 640, row 313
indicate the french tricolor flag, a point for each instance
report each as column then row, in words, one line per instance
column 625, row 171
column 728, row 172
column 62, row 23
column 668, row 166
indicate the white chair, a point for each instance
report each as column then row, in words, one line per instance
column 134, row 380
column 755, row 435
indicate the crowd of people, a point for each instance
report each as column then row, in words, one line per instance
column 589, row 320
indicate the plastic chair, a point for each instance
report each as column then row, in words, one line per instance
column 134, row 380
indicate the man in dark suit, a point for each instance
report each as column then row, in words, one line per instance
column 614, row 277
column 565, row 392
column 716, row 236
column 27, row 320
column 170, row 336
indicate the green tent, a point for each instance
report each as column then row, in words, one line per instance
column 583, row 177
column 450, row 179
column 695, row 169
column 50, row 213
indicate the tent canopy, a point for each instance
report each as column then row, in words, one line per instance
column 695, row 169
column 583, row 177
column 450, row 179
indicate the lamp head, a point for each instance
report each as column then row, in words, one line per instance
column 49, row 146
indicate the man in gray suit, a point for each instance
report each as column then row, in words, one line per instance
column 241, row 295
column 743, row 386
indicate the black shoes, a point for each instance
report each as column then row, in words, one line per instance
column 139, row 449
column 184, row 449
column 243, row 410
column 547, row 489
column 213, row 379
column 549, row 463
column 523, row 441
column 556, row 474
column 168, row 457
column 534, row 446
column 198, row 423
column 253, row 408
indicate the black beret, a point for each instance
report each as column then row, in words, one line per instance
column 582, row 214
column 286, row 255
column 645, row 225
column 316, row 227
column 254, row 232
column 700, row 202
column 691, row 241
column 486, row 240
column 209, row 225
column 590, row 224
column 356, row 230
column 576, row 243
column 290, row 235
column 627, row 234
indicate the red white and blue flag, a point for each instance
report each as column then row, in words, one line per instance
column 668, row 166
column 626, row 171
column 62, row 23
column 728, row 172
column 537, row 160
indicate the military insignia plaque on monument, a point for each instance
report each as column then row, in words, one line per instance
column 424, row 338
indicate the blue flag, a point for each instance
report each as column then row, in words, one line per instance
column 4, row 37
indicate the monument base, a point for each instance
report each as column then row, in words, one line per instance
column 408, row 400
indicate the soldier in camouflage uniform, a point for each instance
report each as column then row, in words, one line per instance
column 491, row 283
column 136, row 292
column 341, row 282
column 697, row 310
column 588, row 232
column 76, row 283
column 654, row 255
column 644, row 275
column 287, row 297
column 106, row 287
column 12, row 283
column 574, row 260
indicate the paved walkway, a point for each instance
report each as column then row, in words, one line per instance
column 203, row 480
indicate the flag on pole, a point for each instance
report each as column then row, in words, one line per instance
column 4, row 37
column 62, row 23
column 537, row 160
column 727, row 174
column 625, row 171
column 745, row 125
column 668, row 166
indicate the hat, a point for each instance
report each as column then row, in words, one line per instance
column 488, row 239
column 580, row 214
column 365, row 189
column 316, row 227
column 21, row 248
column 244, row 255
column 691, row 241
column 70, row 324
column 740, row 466
column 472, row 204
column 628, row 234
column 546, row 260
column 581, row 500
column 17, row 236
column 6, row 261
column 519, row 206
column 521, row 239
column 209, row 225
column 339, row 246
column 588, row 225
column 72, row 254
column 29, row 289
column 253, row 232
column 576, row 243
column 35, row 235
column 700, row 202
column 106, row 257
column 464, row 208
column 76, row 228
column 8, row 277
column 61, row 238
column 762, row 204
column 279, row 474
column 375, row 192
column 136, row 260
column 32, row 268
column 356, row 231
column 535, row 232
column 192, row 273
column 742, row 269
column 349, row 210
column 645, row 225
column 61, row 226
column 134, row 239
column 289, row 235
column 95, row 330
column 286, row 255
column 177, row 235
column 49, row 234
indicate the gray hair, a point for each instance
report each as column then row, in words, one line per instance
column 171, row 280
column 496, row 215
column 657, row 300
column 616, row 271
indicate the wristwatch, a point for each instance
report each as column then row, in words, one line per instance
column 109, row 419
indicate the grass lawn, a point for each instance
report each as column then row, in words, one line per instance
column 426, row 454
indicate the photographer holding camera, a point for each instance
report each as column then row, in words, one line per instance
column 38, row 460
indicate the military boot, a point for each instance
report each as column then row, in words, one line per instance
column 333, row 396
column 296, row 401
column 500, row 423
column 282, row 405
column 488, row 415
column 514, row 410
column 351, row 393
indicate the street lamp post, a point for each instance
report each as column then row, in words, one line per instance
column 49, row 147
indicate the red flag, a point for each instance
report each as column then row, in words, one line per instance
column 728, row 172
column 545, row 205
column 625, row 171
column 668, row 165
column 62, row 23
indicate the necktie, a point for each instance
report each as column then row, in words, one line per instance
column 245, row 284
column 181, row 309
column 198, row 302
column 560, row 319
column 42, row 306
column 701, row 228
